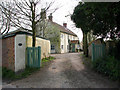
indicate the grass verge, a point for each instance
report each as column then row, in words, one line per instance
column 11, row 75
column 8, row 74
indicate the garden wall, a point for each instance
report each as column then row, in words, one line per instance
column 43, row 43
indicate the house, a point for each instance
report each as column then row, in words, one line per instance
column 14, row 46
column 62, row 39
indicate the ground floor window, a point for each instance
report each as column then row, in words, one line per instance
column 62, row 46
column 52, row 47
column 67, row 47
column 78, row 46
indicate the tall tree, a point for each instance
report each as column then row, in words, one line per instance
column 25, row 14
column 80, row 18
column 103, row 18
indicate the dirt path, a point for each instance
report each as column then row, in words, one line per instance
column 67, row 71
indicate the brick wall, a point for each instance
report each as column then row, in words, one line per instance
column 8, row 54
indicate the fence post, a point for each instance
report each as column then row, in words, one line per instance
column 39, row 56
column 93, row 52
column 27, row 56
column 33, row 53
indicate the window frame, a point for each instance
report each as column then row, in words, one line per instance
column 52, row 47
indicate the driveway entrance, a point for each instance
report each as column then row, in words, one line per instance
column 67, row 71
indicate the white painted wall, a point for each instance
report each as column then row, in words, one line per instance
column 64, row 41
column 20, row 52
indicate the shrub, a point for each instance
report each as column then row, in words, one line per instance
column 108, row 66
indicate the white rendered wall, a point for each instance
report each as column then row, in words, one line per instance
column 20, row 52
column 64, row 42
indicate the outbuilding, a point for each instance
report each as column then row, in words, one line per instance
column 14, row 46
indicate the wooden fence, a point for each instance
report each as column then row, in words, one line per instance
column 33, row 56
column 98, row 51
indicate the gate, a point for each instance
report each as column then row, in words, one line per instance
column 33, row 56
column 98, row 51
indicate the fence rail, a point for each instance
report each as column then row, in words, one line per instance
column 98, row 51
column 33, row 56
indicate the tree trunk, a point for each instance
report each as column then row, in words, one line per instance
column 33, row 24
column 85, row 44
column 33, row 38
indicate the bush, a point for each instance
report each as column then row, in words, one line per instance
column 115, row 51
column 108, row 66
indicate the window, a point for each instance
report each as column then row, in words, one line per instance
column 68, row 36
column 78, row 46
column 52, row 47
column 62, row 46
column 67, row 47
column 61, row 35
column 73, row 38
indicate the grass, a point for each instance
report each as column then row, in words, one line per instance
column 47, row 60
column 11, row 75
column 86, row 61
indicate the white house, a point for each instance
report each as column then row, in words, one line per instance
column 62, row 39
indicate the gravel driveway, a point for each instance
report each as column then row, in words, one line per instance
column 66, row 71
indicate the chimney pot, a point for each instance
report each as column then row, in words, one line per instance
column 65, row 25
column 50, row 17
column 43, row 14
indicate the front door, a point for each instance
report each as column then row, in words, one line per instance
column 73, row 47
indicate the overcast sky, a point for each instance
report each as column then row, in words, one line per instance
column 66, row 7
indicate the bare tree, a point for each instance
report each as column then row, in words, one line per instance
column 5, row 23
column 24, row 14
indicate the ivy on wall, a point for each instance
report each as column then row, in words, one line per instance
column 52, row 33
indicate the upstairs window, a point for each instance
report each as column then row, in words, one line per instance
column 67, row 47
column 61, row 35
column 62, row 46
column 73, row 38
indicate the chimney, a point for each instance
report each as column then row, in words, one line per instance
column 43, row 14
column 65, row 25
column 50, row 17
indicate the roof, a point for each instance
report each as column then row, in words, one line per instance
column 63, row 29
column 74, row 41
column 14, row 33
